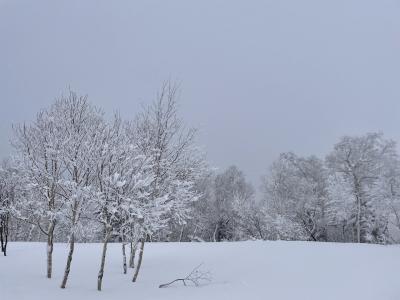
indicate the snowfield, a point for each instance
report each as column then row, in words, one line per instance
column 240, row 270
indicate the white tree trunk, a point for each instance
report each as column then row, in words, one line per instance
column 69, row 260
column 181, row 234
column 139, row 262
column 132, row 254
column 215, row 233
column 50, row 247
column 358, row 220
column 103, row 260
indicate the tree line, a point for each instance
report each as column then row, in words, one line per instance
column 76, row 176
column 353, row 195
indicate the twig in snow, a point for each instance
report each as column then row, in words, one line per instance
column 196, row 276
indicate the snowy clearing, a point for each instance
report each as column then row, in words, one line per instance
column 240, row 270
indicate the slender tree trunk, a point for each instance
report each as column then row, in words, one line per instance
column 358, row 221
column 215, row 233
column 357, row 192
column 50, row 247
column 132, row 254
column 5, row 244
column 69, row 260
column 124, row 257
column 31, row 230
column 103, row 260
column 1, row 239
column 139, row 261
column 6, row 234
column 260, row 232
column 181, row 234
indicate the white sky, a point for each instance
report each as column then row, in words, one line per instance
column 258, row 77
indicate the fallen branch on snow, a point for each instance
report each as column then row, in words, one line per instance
column 196, row 277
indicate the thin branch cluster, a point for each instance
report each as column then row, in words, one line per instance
column 196, row 277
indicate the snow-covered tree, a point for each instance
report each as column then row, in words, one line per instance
column 123, row 178
column 233, row 198
column 161, row 136
column 386, row 199
column 251, row 218
column 360, row 162
column 227, row 209
column 198, row 227
column 8, row 190
column 39, row 149
column 82, row 126
column 339, row 214
column 296, row 190
column 229, row 187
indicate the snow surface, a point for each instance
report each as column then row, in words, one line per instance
column 242, row 270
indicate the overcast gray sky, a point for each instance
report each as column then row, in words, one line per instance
column 257, row 77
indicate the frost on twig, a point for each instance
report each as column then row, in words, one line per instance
column 196, row 277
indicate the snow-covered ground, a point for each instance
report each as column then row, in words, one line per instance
column 243, row 270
